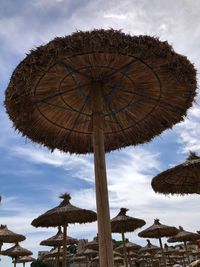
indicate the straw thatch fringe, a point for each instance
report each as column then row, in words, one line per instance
column 167, row 80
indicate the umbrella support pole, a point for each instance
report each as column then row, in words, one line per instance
column 129, row 259
column 64, row 263
column 186, row 249
column 103, row 212
column 124, row 250
column 163, row 255
column 58, row 257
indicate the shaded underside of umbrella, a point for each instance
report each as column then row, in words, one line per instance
column 184, row 236
column 63, row 214
column 7, row 236
column 158, row 230
column 146, row 85
column 16, row 251
column 123, row 223
column 25, row 259
column 57, row 240
column 181, row 179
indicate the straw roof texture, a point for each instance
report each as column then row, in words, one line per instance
column 16, row 251
column 149, row 247
column 79, row 259
column 123, row 223
column 183, row 236
column 63, row 214
column 57, row 240
column 157, row 230
column 94, row 244
column 129, row 246
column 181, row 179
column 146, row 88
column 7, row 236
column 89, row 251
column 25, row 259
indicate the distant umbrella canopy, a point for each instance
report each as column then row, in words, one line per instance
column 65, row 213
column 184, row 236
column 149, row 247
column 94, row 244
column 7, row 236
column 158, row 230
column 146, row 88
column 129, row 246
column 181, row 179
column 25, row 259
column 57, row 240
column 123, row 223
column 16, row 251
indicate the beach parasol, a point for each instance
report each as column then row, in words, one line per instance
column 123, row 223
column 96, row 92
column 184, row 236
column 7, row 236
column 149, row 247
column 63, row 215
column 16, row 251
column 181, row 179
column 94, row 244
column 158, row 230
column 25, row 259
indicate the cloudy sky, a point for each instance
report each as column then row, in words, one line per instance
column 31, row 177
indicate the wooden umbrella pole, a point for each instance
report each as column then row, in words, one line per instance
column 64, row 263
column 124, row 250
column 58, row 257
column 162, row 250
column 103, row 212
column 188, row 258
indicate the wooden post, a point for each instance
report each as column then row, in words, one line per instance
column 124, row 250
column 58, row 257
column 64, row 263
column 103, row 212
column 163, row 255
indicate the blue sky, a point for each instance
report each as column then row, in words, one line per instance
column 31, row 177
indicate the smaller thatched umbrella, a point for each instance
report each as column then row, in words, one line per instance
column 7, row 236
column 63, row 215
column 25, row 259
column 94, row 244
column 16, row 251
column 181, row 179
column 80, row 259
column 123, row 223
column 149, row 247
column 184, row 236
column 158, row 230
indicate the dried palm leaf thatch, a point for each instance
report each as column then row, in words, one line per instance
column 79, row 259
column 184, row 236
column 118, row 259
column 157, row 230
column 24, row 259
column 149, row 247
column 123, row 223
column 146, row 88
column 16, row 251
column 64, row 214
column 7, row 236
column 94, row 244
column 129, row 246
column 57, row 240
column 88, row 252
column 181, row 179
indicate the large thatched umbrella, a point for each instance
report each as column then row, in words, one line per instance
column 7, row 236
column 57, row 241
column 184, row 236
column 25, row 259
column 99, row 91
column 123, row 223
column 16, row 251
column 181, row 179
column 158, row 230
column 63, row 215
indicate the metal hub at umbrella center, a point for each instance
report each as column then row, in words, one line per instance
column 123, row 86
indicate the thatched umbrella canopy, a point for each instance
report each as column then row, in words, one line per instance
column 158, row 230
column 7, row 236
column 130, row 246
column 94, row 244
column 99, row 91
column 16, row 251
column 62, row 215
column 123, row 223
column 24, row 259
column 184, row 236
column 181, row 179
column 149, row 247
column 90, row 252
